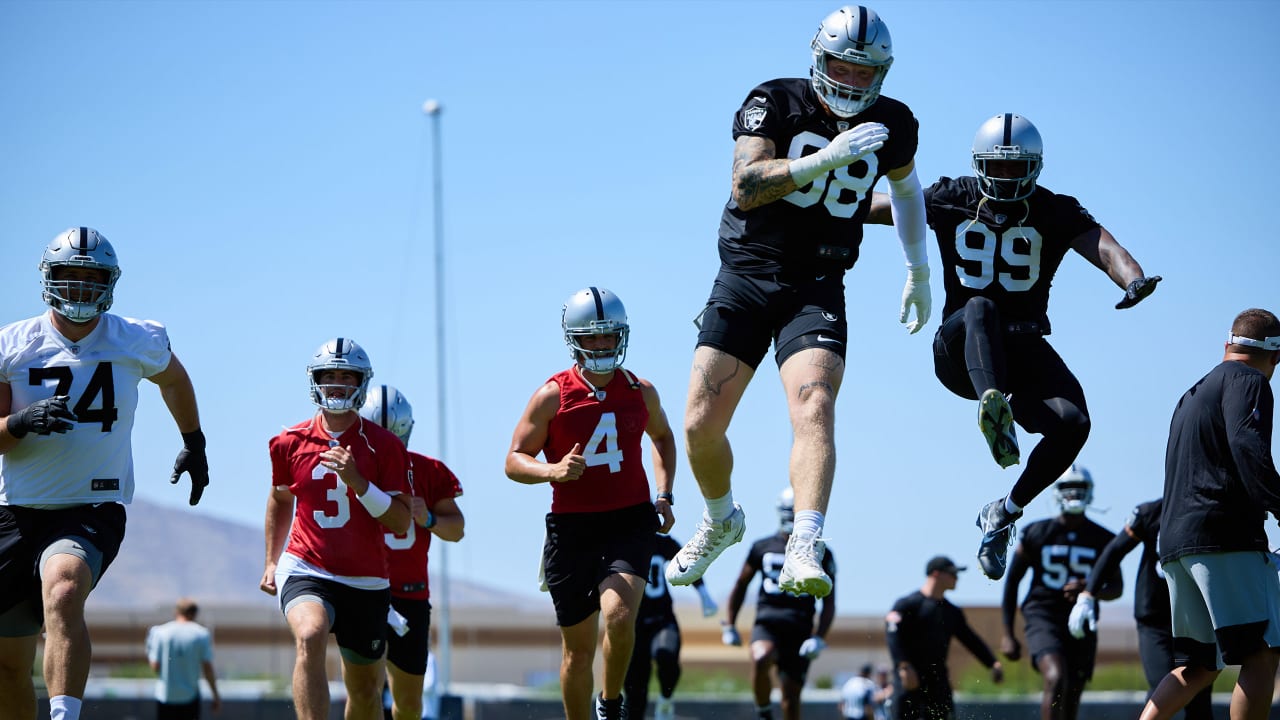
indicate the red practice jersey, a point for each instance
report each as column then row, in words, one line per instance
column 331, row 529
column 432, row 481
column 610, row 431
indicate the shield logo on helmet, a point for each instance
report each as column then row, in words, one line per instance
column 753, row 117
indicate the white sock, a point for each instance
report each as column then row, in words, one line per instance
column 1010, row 507
column 808, row 523
column 64, row 707
column 721, row 507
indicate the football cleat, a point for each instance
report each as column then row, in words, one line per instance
column 664, row 710
column 997, row 529
column 610, row 709
column 995, row 419
column 710, row 539
column 802, row 572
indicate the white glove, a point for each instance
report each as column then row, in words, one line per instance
column 844, row 149
column 1084, row 616
column 708, row 605
column 729, row 635
column 810, row 649
column 916, row 294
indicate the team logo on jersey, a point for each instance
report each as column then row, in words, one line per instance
column 753, row 117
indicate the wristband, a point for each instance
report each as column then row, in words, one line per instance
column 375, row 500
column 431, row 520
column 671, row 499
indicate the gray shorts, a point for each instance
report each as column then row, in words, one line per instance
column 1230, row 600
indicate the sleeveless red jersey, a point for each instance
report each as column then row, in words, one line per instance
column 433, row 481
column 610, row 431
column 331, row 529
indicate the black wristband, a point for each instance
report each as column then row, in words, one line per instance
column 671, row 499
column 193, row 440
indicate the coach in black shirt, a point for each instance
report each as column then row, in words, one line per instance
column 919, row 630
column 1220, row 482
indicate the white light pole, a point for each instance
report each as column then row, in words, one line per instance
column 434, row 110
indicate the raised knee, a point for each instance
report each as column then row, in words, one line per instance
column 979, row 307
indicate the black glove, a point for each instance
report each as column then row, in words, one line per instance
column 1137, row 290
column 192, row 460
column 43, row 417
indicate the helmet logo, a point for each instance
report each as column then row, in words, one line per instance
column 829, row 317
column 753, row 117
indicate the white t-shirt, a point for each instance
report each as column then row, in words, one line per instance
column 93, row 462
column 856, row 694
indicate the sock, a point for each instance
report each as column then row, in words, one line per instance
column 64, row 707
column 1011, row 507
column 721, row 507
column 807, row 523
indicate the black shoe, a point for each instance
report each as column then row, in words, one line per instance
column 997, row 534
column 615, row 709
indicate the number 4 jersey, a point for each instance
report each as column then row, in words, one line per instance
column 1006, row 251
column 93, row 462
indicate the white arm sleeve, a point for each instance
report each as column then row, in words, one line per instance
column 906, row 201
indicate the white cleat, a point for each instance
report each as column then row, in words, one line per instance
column 710, row 539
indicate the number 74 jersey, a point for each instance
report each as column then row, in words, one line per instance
column 93, row 462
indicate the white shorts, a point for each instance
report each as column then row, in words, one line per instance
column 1209, row 592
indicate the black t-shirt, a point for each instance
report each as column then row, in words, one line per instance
column 1151, row 593
column 766, row 557
column 786, row 235
column 1219, row 476
column 1057, row 555
column 1010, row 254
column 919, row 631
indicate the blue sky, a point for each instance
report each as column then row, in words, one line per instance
column 263, row 171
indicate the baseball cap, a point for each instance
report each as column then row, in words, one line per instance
column 944, row 564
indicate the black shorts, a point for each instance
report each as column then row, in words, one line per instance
column 25, row 535
column 178, row 711
column 357, row 618
column 582, row 549
column 1047, row 633
column 409, row 652
column 747, row 312
column 787, row 635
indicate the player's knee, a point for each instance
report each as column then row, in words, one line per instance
column 978, row 309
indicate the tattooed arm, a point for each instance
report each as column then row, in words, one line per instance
column 759, row 177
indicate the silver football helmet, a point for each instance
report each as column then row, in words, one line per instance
column 855, row 34
column 339, row 354
column 595, row 311
column 1012, row 139
column 1073, row 492
column 79, row 300
column 786, row 511
column 389, row 408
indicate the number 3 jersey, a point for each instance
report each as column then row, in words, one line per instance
column 1057, row 555
column 432, row 481
column 816, row 228
column 1009, row 253
column 332, row 531
column 610, row 431
column 93, row 462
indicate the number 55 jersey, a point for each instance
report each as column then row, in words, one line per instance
column 1005, row 251
column 1057, row 555
column 93, row 462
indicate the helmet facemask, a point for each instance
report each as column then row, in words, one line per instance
column 1007, row 157
column 857, row 35
column 79, row 300
column 339, row 354
column 592, row 312
column 1073, row 492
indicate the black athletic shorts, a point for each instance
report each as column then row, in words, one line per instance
column 582, row 549
column 787, row 636
column 747, row 312
column 357, row 618
column 25, row 534
column 409, row 652
column 1047, row 633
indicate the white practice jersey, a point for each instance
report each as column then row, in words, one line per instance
column 93, row 462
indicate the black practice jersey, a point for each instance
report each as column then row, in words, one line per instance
column 816, row 228
column 1058, row 555
column 1151, row 592
column 919, row 631
column 766, row 557
column 655, row 605
column 1010, row 254
column 1219, row 476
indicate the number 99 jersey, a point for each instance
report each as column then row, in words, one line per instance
column 93, row 462
column 1010, row 253
column 1058, row 555
column 816, row 228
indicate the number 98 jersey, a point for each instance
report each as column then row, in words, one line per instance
column 93, row 462
column 1058, row 555
column 1010, row 253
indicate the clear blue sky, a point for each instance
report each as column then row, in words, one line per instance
column 263, row 171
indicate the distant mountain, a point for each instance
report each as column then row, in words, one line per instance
column 168, row 553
